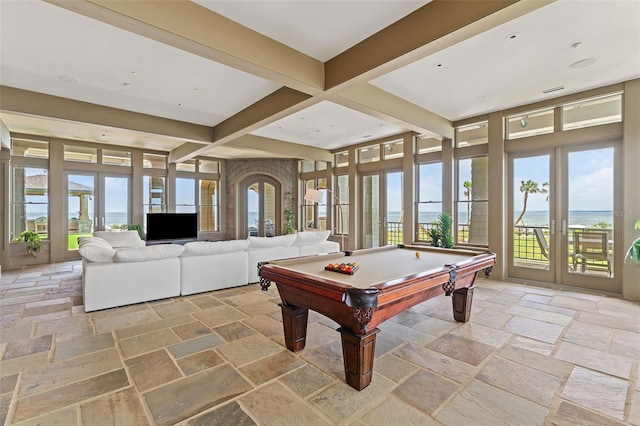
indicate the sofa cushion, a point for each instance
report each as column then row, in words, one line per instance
column 203, row 248
column 141, row 254
column 93, row 240
column 121, row 239
column 311, row 237
column 268, row 242
column 96, row 251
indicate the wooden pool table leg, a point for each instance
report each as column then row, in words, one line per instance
column 462, row 298
column 358, row 353
column 294, row 322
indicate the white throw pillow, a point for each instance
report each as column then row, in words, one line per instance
column 311, row 237
column 96, row 252
column 268, row 242
column 142, row 254
column 93, row 240
column 203, row 248
column 121, row 239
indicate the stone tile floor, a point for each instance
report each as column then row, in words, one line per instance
column 529, row 356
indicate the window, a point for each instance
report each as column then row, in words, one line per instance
column 154, row 195
column 208, row 166
column 29, row 148
column 592, row 112
column 530, row 124
column 116, row 158
column 342, row 191
column 427, row 144
column 307, row 166
column 472, row 201
column 30, row 201
column 187, row 166
column 207, row 201
column 154, row 161
column 429, row 198
column 185, row 195
column 369, row 154
column 208, row 206
column 341, row 159
column 312, row 166
column 393, row 149
column 314, row 215
column 472, row 134
column 81, row 154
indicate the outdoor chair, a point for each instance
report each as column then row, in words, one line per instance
column 589, row 247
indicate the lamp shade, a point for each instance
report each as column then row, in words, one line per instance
column 314, row 195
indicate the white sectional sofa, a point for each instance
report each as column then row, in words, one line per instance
column 118, row 269
column 114, row 274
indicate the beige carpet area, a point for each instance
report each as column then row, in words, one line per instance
column 529, row 356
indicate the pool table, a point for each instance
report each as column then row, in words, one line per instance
column 388, row 281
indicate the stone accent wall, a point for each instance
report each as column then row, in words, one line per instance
column 285, row 171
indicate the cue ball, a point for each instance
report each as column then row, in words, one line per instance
column 417, row 254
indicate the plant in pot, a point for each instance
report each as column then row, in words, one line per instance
column 32, row 238
column 634, row 251
column 441, row 234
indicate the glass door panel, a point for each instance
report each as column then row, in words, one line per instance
column 115, row 214
column 262, row 208
column 531, row 234
column 81, row 190
column 394, row 208
column 269, row 206
column 371, row 217
column 253, row 212
column 588, row 225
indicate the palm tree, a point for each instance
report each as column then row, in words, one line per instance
column 467, row 193
column 528, row 187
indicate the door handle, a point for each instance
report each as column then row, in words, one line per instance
column 564, row 227
column 552, row 228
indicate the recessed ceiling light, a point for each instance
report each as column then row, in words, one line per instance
column 483, row 98
column 132, row 72
column 583, row 63
column 438, row 65
column 179, row 105
column 68, row 79
column 512, row 36
column 366, row 136
column 126, row 85
column 576, row 45
column 553, row 89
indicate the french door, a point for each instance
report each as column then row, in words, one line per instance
column 382, row 214
column 563, row 223
column 95, row 202
column 260, row 207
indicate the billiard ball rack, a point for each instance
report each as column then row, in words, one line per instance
column 343, row 271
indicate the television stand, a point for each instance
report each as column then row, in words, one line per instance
column 181, row 241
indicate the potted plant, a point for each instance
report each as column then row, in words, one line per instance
column 441, row 234
column 33, row 241
column 136, row 227
column 634, row 251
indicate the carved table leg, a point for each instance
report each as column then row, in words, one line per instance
column 462, row 299
column 358, row 353
column 294, row 322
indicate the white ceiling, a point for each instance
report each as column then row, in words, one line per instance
column 48, row 49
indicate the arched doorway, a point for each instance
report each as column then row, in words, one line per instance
column 259, row 207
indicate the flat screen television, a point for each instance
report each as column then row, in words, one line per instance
column 172, row 226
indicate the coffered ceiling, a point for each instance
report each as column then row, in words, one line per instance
column 238, row 79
